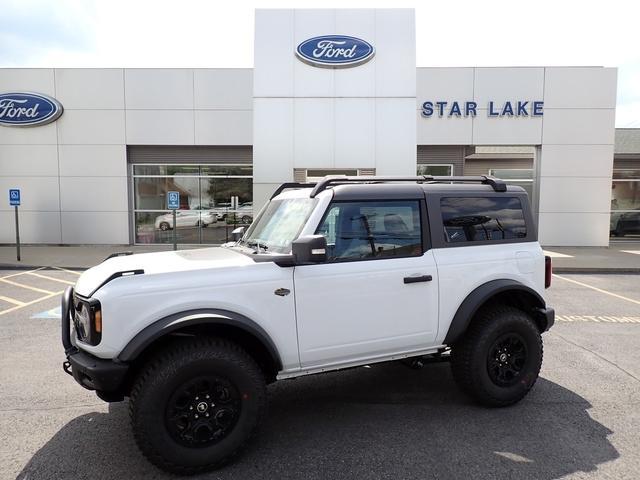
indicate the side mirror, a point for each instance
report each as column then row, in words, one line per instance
column 237, row 234
column 310, row 250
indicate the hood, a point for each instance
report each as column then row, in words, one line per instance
column 159, row 262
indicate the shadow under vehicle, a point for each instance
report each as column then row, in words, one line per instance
column 386, row 421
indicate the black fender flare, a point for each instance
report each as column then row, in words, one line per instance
column 478, row 297
column 198, row 317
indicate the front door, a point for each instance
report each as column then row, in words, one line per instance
column 376, row 295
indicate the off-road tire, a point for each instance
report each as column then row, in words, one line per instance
column 470, row 355
column 159, row 380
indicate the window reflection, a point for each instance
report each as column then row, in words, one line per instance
column 473, row 219
column 206, row 213
column 372, row 230
column 625, row 204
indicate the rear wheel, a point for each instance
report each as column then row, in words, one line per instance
column 164, row 226
column 499, row 358
column 194, row 406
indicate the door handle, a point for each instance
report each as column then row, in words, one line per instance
column 421, row 278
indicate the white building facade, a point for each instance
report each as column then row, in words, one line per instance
column 100, row 172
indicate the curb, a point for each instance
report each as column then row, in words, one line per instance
column 11, row 266
column 605, row 270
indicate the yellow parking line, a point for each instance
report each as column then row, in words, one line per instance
column 637, row 302
column 17, row 307
column 68, row 271
column 11, row 300
column 51, row 278
column 16, row 284
column 597, row 318
column 21, row 273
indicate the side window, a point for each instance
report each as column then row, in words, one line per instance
column 365, row 230
column 476, row 219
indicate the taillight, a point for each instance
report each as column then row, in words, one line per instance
column 547, row 271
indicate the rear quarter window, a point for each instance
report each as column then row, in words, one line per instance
column 478, row 219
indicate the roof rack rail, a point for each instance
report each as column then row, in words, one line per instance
column 331, row 180
column 288, row 185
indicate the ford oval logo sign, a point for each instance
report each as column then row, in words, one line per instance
column 28, row 109
column 335, row 51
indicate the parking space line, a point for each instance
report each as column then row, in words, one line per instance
column 17, row 307
column 20, row 273
column 637, row 302
column 598, row 318
column 68, row 271
column 11, row 300
column 16, row 284
column 51, row 278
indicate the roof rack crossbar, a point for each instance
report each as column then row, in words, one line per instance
column 288, row 185
column 328, row 181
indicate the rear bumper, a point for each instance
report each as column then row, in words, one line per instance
column 549, row 315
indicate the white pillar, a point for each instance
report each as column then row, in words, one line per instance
column 310, row 117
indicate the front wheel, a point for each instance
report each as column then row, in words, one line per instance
column 499, row 358
column 195, row 405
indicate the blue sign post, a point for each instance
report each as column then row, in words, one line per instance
column 14, row 201
column 173, row 204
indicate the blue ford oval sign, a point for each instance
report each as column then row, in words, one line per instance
column 28, row 109
column 335, row 51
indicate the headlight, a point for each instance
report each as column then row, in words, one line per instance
column 87, row 319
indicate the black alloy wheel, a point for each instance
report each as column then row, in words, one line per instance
column 507, row 359
column 203, row 411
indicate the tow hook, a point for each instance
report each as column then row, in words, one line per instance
column 66, row 366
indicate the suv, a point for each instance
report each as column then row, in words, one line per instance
column 343, row 273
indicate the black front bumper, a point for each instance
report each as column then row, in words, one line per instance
column 96, row 373
column 105, row 376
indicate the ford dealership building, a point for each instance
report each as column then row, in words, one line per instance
column 331, row 92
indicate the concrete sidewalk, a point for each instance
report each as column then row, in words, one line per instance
column 621, row 257
column 72, row 257
column 618, row 257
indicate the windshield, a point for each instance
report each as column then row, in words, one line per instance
column 278, row 225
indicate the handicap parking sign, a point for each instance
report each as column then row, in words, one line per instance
column 173, row 200
column 14, row 197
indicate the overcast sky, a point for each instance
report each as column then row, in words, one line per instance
column 201, row 33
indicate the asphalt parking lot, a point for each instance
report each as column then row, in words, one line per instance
column 582, row 419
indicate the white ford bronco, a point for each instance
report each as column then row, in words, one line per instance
column 342, row 273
